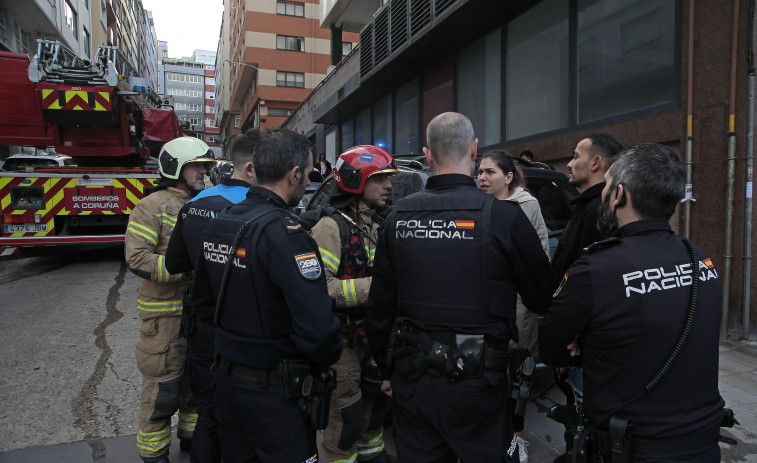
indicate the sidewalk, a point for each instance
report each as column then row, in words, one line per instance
column 738, row 386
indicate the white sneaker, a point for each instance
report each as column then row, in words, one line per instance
column 522, row 453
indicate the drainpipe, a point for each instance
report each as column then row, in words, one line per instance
column 749, row 176
column 689, row 122
column 731, row 174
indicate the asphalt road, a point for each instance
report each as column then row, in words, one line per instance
column 67, row 331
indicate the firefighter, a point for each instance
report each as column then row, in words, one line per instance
column 640, row 312
column 346, row 239
column 197, row 321
column 273, row 319
column 160, row 351
column 449, row 264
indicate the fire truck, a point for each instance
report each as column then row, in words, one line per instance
column 102, row 115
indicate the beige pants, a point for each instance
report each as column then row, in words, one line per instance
column 161, row 357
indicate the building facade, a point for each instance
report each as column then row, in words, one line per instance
column 68, row 21
column 272, row 53
column 543, row 75
column 185, row 82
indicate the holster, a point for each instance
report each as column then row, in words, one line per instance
column 521, row 370
column 370, row 377
column 292, row 374
column 187, row 326
column 316, row 392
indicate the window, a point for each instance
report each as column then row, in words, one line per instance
column 210, row 81
column 210, row 95
column 290, row 79
column 406, row 119
column 626, row 57
column 195, row 120
column 572, row 63
column 348, row 137
column 346, row 48
column 280, row 112
column 213, row 139
column 210, row 68
column 86, row 42
column 210, row 109
column 237, row 121
column 86, row 3
column 382, row 123
column 69, row 16
column 479, row 86
column 363, row 127
column 3, row 25
column 184, row 92
column 285, row 42
column 290, row 9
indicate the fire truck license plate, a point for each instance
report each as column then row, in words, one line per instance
column 26, row 228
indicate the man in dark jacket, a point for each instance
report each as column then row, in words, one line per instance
column 450, row 262
column 273, row 321
column 620, row 311
column 591, row 159
column 197, row 321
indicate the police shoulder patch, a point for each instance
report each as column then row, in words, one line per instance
column 291, row 225
column 308, row 265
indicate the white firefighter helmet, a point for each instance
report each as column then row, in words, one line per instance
column 180, row 151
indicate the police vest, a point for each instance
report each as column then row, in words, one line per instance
column 449, row 274
column 254, row 314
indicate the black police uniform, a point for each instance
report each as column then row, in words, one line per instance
column 581, row 231
column 626, row 299
column 275, row 306
column 183, row 248
column 451, row 260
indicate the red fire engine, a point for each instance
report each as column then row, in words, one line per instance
column 104, row 117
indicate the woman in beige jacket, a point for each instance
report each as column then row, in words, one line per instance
column 499, row 176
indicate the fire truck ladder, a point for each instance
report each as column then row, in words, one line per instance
column 56, row 63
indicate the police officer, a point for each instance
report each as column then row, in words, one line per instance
column 449, row 264
column 183, row 248
column 273, row 309
column 347, row 242
column 160, row 351
column 621, row 309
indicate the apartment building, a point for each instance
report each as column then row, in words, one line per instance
column 185, row 82
column 272, row 53
column 23, row 22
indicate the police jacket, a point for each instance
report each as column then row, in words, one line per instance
column 347, row 291
column 581, row 231
column 186, row 240
column 150, row 226
column 453, row 258
column 626, row 300
column 276, row 304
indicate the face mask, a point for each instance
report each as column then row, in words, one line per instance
column 607, row 222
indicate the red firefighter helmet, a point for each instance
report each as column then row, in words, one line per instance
column 355, row 165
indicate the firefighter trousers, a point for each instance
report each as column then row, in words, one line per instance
column 161, row 357
column 356, row 419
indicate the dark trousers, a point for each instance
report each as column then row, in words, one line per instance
column 205, row 444
column 438, row 421
column 255, row 425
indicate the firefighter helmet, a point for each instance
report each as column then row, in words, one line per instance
column 355, row 165
column 180, row 151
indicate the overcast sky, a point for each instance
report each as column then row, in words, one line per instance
column 187, row 25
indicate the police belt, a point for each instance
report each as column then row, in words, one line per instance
column 666, row 447
column 261, row 377
column 444, row 343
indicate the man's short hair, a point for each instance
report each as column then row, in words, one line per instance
column 528, row 154
column 605, row 145
column 655, row 176
column 243, row 146
column 277, row 152
column 449, row 137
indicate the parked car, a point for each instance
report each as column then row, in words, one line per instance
column 550, row 187
column 36, row 161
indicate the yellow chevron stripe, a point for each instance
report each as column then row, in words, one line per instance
column 45, row 93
